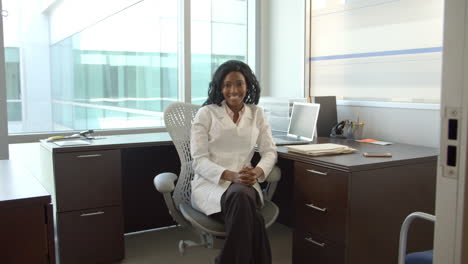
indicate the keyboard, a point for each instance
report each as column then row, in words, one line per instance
column 285, row 140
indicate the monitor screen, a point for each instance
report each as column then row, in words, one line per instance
column 303, row 120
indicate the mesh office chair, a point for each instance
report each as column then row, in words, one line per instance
column 178, row 119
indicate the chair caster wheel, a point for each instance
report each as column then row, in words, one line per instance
column 182, row 247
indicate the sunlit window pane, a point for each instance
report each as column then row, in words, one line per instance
column 115, row 67
column 12, row 79
column 219, row 33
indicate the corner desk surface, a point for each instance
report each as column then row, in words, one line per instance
column 26, row 222
column 401, row 153
column 18, row 187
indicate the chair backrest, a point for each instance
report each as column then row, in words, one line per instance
column 178, row 120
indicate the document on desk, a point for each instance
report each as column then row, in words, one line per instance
column 320, row 149
column 69, row 143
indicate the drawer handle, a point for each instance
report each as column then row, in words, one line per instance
column 316, row 207
column 318, row 172
column 91, row 214
column 89, row 156
column 308, row 239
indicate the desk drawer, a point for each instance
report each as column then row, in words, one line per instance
column 330, row 223
column 91, row 236
column 309, row 248
column 322, row 187
column 87, row 179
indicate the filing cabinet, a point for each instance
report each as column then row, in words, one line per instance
column 87, row 194
column 349, row 209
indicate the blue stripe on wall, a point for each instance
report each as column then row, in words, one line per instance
column 377, row 54
column 355, row 8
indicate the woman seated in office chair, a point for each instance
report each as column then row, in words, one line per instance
column 223, row 137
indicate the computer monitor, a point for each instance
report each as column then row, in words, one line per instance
column 303, row 120
column 328, row 117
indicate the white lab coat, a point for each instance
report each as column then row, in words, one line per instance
column 218, row 144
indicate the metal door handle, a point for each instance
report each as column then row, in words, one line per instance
column 308, row 239
column 316, row 207
column 318, row 172
column 89, row 156
column 91, row 214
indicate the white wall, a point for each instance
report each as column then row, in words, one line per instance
column 282, row 51
column 400, row 125
column 264, row 50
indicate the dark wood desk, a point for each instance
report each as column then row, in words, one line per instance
column 26, row 221
column 103, row 190
column 349, row 208
column 366, row 198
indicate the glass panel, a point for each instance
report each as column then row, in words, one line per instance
column 102, row 71
column 219, row 33
column 12, row 79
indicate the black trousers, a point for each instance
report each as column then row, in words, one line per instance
column 247, row 240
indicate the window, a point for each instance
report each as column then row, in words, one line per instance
column 377, row 50
column 219, row 33
column 119, row 73
column 116, row 67
column 12, row 79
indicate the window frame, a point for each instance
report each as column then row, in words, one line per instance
column 3, row 98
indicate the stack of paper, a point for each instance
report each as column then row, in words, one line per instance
column 320, row 149
column 65, row 143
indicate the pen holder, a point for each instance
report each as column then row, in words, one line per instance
column 353, row 130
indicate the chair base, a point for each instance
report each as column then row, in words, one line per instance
column 183, row 244
column 211, row 226
column 211, row 231
column 206, row 241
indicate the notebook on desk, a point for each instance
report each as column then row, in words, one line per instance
column 302, row 125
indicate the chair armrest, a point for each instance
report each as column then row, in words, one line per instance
column 275, row 175
column 164, row 182
column 404, row 232
column 272, row 181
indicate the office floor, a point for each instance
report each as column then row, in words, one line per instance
column 161, row 246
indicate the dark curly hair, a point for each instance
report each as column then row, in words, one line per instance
column 215, row 94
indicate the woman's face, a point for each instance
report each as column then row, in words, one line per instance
column 234, row 90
